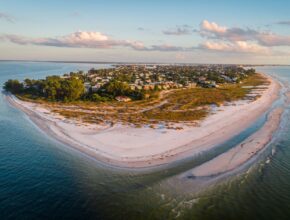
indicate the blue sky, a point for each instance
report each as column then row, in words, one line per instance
column 146, row 31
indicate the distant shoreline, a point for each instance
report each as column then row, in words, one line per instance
column 127, row 147
column 138, row 63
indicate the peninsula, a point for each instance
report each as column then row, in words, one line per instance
column 147, row 115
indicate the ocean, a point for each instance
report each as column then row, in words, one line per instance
column 41, row 178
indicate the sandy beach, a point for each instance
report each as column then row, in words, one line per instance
column 243, row 151
column 131, row 147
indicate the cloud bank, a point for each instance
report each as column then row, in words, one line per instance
column 215, row 37
column 211, row 30
column 84, row 39
column 238, row 46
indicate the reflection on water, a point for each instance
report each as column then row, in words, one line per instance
column 41, row 179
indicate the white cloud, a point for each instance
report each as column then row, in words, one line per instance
column 79, row 39
column 84, row 39
column 82, row 36
column 238, row 46
column 137, row 45
column 212, row 30
column 212, row 27
column 271, row 39
column 218, row 38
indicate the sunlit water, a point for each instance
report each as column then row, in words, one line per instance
column 42, row 179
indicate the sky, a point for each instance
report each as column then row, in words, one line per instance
column 164, row 31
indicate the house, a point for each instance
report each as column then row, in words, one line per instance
column 87, row 86
column 96, row 87
column 122, row 98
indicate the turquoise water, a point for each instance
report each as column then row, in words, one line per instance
column 42, row 179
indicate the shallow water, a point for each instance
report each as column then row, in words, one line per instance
column 42, row 179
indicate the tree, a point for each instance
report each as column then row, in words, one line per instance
column 97, row 98
column 13, row 86
column 33, row 87
column 52, row 86
column 28, row 82
column 117, row 88
column 250, row 71
column 71, row 89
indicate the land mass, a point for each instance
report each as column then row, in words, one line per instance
column 141, row 95
column 145, row 133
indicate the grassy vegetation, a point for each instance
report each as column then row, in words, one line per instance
column 180, row 105
column 176, row 116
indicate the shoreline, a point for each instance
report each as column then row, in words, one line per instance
column 128, row 147
column 242, row 152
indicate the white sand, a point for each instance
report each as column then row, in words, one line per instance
column 143, row 147
column 242, row 152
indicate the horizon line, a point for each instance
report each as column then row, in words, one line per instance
column 123, row 62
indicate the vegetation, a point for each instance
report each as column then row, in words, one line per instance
column 67, row 96
column 116, row 88
column 53, row 88
column 13, row 86
column 56, row 88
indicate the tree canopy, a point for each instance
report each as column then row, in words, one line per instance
column 53, row 88
column 13, row 86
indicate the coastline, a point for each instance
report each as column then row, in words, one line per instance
column 242, row 152
column 129, row 147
